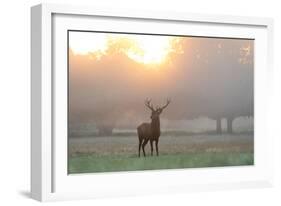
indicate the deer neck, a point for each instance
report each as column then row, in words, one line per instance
column 155, row 127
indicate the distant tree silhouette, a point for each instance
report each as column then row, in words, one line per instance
column 210, row 77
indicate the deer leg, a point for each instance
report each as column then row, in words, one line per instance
column 140, row 142
column 151, row 147
column 143, row 145
column 156, row 144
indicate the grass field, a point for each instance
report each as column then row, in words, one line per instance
column 92, row 163
column 119, row 153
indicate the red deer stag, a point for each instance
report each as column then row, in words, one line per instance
column 151, row 131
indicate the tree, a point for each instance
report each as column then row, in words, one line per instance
column 210, row 77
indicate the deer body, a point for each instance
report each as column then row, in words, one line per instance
column 150, row 131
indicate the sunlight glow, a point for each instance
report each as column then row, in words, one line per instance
column 85, row 42
column 155, row 49
column 245, row 55
column 145, row 49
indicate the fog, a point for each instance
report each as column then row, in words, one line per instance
column 205, row 78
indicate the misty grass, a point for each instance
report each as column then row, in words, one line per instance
column 93, row 163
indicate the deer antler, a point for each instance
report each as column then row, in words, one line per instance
column 149, row 105
column 167, row 103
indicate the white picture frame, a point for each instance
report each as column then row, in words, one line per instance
column 49, row 178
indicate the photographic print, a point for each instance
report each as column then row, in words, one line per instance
column 158, row 101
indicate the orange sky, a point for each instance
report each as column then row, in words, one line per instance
column 117, row 72
column 146, row 49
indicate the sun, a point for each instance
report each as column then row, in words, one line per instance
column 154, row 49
column 145, row 49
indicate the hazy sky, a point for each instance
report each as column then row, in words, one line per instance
column 112, row 74
column 148, row 49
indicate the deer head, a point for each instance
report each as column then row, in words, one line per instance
column 156, row 112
